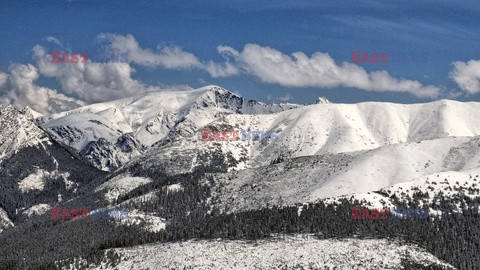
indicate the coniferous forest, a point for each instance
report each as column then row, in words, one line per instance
column 453, row 237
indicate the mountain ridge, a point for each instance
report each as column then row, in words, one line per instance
column 151, row 119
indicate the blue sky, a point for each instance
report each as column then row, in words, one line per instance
column 178, row 39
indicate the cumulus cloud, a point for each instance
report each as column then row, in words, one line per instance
column 272, row 66
column 221, row 69
column 467, row 75
column 319, row 70
column 172, row 57
column 226, row 68
column 91, row 82
column 19, row 89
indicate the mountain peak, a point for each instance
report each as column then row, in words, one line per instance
column 213, row 87
column 322, row 100
column 30, row 113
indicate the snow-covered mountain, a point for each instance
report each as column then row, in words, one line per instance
column 323, row 150
column 315, row 130
column 17, row 131
column 111, row 133
column 35, row 169
column 175, row 184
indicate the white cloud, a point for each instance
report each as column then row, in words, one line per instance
column 221, row 69
column 319, row 70
column 54, row 40
column 172, row 57
column 91, row 82
column 284, row 98
column 19, row 89
column 272, row 66
column 225, row 69
column 467, row 75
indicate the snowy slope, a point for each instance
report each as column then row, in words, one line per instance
column 339, row 128
column 5, row 221
column 448, row 184
column 111, row 133
column 31, row 113
column 17, row 131
column 307, row 179
column 120, row 185
column 311, row 178
column 150, row 221
column 291, row 252
column 36, row 170
column 38, row 209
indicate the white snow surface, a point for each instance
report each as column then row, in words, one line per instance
column 151, row 222
column 31, row 113
column 174, row 188
column 311, row 178
column 282, row 253
column 449, row 183
column 17, row 131
column 140, row 115
column 36, row 210
column 36, row 180
column 341, row 128
column 121, row 185
column 5, row 221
